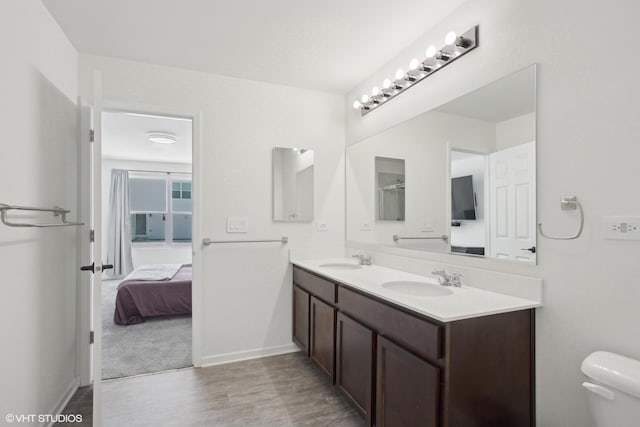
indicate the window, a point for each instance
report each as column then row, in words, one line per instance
column 160, row 207
column 181, row 190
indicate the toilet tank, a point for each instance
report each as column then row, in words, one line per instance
column 614, row 389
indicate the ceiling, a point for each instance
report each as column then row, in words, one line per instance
column 329, row 45
column 501, row 100
column 125, row 136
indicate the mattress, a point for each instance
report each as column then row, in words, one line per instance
column 140, row 299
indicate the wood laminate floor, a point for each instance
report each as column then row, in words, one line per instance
column 284, row 390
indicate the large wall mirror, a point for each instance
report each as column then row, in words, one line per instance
column 293, row 184
column 460, row 178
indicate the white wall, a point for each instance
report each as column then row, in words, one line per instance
column 587, row 136
column 38, row 167
column 143, row 253
column 516, row 131
column 247, row 288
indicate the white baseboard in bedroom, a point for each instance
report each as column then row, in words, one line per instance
column 64, row 399
column 237, row 356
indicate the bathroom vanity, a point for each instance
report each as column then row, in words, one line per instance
column 460, row 358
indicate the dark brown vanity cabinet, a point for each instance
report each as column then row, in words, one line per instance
column 322, row 335
column 402, row 369
column 316, row 297
column 355, row 370
column 408, row 388
column 301, row 318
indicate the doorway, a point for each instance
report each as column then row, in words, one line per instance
column 147, row 211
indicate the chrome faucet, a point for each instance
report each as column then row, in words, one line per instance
column 363, row 259
column 448, row 280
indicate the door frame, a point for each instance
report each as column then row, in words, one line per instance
column 86, row 371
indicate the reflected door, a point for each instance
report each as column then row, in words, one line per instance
column 512, row 194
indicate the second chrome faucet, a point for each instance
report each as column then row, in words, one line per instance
column 363, row 259
column 453, row 279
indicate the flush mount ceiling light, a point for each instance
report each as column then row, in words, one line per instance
column 454, row 47
column 162, row 138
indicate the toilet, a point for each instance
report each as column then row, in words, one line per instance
column 614, row 389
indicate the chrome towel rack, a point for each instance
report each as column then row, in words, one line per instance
column 57, row 211
column 567, row 203
column 444, row 238
column 283, row 240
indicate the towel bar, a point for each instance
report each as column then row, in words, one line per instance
column 207, row 241
column 57, row 211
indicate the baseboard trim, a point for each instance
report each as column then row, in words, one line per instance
column 64, row 399
column 237, row 356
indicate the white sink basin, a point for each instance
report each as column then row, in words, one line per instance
column 341, row 266
column 419, row 289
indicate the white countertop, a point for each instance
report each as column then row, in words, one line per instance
column 463, row 303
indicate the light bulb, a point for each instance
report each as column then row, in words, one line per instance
column 413, row 65
column 450, row 38
column 375, row 91
column 365, row 98
column 399, row 74
column 386, row 84
column 356, row 105
column 431, row 51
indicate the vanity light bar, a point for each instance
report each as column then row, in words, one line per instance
column 435, row 59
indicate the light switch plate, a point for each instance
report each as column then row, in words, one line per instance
column 426, row 226
column 237, row 224
column 365, row 226
column 621, row 227
column 322, row 226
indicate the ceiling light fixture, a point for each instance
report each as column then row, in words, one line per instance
column 162, row 138
column 455, row 47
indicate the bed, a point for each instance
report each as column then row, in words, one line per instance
column 139, row 298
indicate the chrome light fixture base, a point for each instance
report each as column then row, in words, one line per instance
column 449, row 53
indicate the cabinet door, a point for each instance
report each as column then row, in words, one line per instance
column 301, row 318
column 354, row 364
column 322, row 335
column 408, row 388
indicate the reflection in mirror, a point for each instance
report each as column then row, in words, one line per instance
column 472, row 162
column 390, row 189
column 293, row 195
column 468, row 226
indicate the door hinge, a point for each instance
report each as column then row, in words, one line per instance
column 90, row 337
column 92, row 135
column 92, row 236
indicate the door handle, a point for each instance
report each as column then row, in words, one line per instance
column 93, row 267
column 90, row 268
column 532, row 249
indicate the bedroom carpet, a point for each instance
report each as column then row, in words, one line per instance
column 159, row 344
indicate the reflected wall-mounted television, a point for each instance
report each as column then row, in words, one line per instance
column 463, row 199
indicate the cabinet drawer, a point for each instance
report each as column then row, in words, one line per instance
column 415, row 334
column 315, row 285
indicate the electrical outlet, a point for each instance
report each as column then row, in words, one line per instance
column 621, row 227
column 322, row 226
column 365, row 226
column 237, row 224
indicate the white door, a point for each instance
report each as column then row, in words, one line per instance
column 91, row 260
column 512, row 180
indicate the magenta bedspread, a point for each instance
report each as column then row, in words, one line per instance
column 139, row 299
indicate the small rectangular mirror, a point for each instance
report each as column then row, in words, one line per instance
column 293, row 187
column 390, row 187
